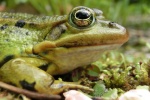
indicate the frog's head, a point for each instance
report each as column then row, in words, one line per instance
column 80, row 39
column 86, row 27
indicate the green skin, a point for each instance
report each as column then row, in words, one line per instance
column 32, row 48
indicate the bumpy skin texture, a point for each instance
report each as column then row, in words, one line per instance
column 32, row 48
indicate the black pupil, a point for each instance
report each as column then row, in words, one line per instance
column 82, row 15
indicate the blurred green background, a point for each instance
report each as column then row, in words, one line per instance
column 130, row 13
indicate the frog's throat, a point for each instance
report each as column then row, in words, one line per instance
column 68, row 59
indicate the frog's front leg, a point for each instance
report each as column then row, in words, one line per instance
column 25, row 75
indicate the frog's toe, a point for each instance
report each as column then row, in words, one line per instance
column 59, row 86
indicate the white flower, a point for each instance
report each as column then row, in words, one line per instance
column 137, row 94
column 75, row 95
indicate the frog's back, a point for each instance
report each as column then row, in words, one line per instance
column 14, row 40
column 30, row 21
column 19, row 31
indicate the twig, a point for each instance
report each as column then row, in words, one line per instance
column 29, row 93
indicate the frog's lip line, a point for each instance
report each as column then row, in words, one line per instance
column 69, row 42
column 96, row 45
column 94, row 48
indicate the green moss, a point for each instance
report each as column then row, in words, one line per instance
column 117, row 72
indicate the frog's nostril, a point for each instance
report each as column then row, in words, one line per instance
column 111, row 24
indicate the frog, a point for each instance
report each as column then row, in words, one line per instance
column 34, row 48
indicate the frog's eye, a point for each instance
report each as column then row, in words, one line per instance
column 82, row 17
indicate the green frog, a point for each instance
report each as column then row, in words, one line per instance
column 34, row 48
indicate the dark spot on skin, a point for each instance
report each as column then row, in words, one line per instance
column 27, row 33
column 20, row 23
column 4, row 26
column 7, row 58
column 111, row 24
column 44, row 67
column 27, row 85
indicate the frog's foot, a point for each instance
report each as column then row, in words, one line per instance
column 60, row 86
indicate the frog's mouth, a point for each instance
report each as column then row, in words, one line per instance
column 84, row 39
